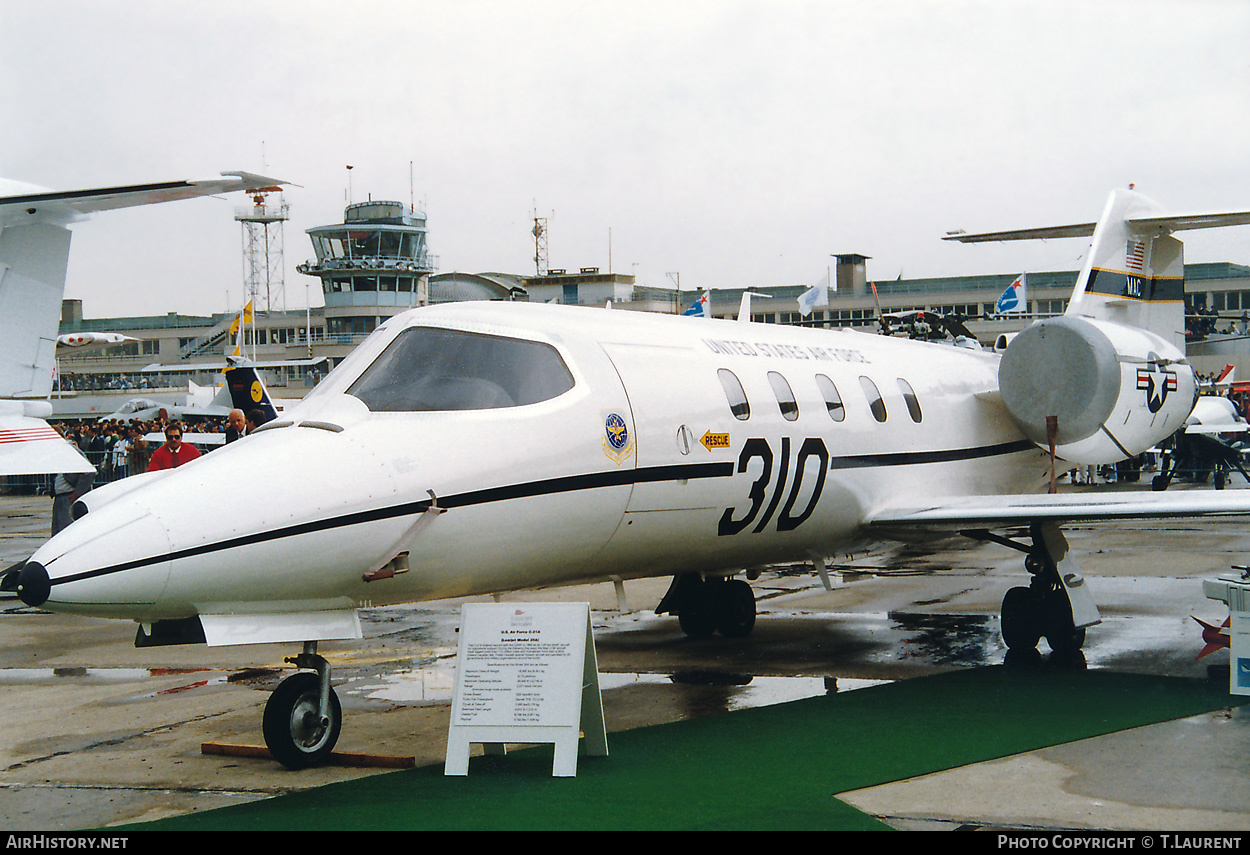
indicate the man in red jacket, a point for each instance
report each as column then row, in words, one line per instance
column 174, row 452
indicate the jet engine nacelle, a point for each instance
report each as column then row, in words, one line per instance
column 1114, row 390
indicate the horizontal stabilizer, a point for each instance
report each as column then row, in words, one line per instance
column 28, row 446
column 1157, row 225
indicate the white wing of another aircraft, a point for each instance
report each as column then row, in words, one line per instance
column 34, row 255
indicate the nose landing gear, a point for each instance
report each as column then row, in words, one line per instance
column 303, row 717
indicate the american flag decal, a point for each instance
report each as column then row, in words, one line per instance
column 1135, row 254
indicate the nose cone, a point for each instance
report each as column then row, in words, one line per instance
column 33, row 584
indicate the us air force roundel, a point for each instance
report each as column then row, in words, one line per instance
column 618, row 443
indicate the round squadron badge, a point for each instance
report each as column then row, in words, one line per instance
column 618, row 444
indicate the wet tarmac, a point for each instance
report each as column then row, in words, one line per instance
column 97, row 732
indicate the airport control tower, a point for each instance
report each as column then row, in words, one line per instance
column 375, row 264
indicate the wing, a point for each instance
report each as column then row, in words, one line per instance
column 67, row 206
column 979, row 512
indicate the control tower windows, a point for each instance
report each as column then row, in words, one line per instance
column 388, row 244
column 365, row 244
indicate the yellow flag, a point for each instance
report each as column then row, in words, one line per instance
column 244, row 317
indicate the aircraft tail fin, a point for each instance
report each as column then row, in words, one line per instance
column 1134, row 272
column 248, row 392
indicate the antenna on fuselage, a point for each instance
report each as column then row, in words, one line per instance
column 744, row 308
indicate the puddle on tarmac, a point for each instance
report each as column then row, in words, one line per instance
column 25, row 676
column 434, row 684
column 199, row 678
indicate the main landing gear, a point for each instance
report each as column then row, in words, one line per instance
column 303, row 716
column 706, row 606
column 1056, row 605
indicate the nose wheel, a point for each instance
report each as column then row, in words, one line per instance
column 303, row 716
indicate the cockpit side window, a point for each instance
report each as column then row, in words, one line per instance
column 428, row 368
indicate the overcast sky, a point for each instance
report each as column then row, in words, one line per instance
column 733, row 142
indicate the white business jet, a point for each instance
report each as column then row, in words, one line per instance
column 34, row 253
column 474, row 448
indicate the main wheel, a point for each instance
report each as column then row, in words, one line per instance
column 1020, row 620
column 295, row 733
column 735, row 609
column 697, row 617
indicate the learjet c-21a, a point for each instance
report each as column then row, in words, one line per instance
column 476, row 448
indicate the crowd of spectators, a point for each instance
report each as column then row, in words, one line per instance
column 117, row 448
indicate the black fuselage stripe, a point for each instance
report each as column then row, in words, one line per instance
column 552, row 486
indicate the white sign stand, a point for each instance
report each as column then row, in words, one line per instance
column 526, row 673
column 1239, row 641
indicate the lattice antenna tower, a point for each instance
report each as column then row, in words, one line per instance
column 540, row 242
column 264, row 272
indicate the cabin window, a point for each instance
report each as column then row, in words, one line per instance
column 833, row 400
column 427, row 368
column 875, row 402
column 734, row 393
column 913, row 404
column 785, row 397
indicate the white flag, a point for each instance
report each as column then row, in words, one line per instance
column 817, row 295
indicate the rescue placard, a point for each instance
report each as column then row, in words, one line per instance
column 715, row 440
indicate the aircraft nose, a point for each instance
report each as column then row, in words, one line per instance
column 33, row 584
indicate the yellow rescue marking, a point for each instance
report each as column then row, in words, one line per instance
column 715, row 440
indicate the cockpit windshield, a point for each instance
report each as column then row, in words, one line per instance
column 427, row 368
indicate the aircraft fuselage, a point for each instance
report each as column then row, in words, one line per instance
column 640, row 467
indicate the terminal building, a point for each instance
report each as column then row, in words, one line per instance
column 377, row 263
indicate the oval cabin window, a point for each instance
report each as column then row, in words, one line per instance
column 785, row 397
column 833, row 400
column 734, row 393
column 909, row 396
column 875, row 401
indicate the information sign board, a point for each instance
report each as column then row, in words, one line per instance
column 526, row 673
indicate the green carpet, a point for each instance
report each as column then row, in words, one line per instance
column 775, row 767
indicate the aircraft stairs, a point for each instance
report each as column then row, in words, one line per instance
column 206, row 342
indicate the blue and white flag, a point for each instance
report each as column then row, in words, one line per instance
column 817, row 295
column 700, row 308
column 1014, row 299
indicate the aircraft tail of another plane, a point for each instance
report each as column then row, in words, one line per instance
column 34, row 256
column 248, row 392
column 33, row 261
